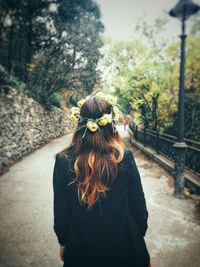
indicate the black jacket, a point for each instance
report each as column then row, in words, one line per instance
column 112, row 232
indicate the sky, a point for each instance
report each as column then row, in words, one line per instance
column 120, row 16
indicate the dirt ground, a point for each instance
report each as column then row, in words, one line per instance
column 26, row 207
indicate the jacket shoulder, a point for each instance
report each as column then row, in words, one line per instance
column 64, row 165
column 125, row 163
column 128, row 154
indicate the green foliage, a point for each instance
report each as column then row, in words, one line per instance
column 8, row 80
column 192, row 89
column 55, row 99
column 145, row 77
column 52, row 46
column 140, row 81
column 192, row 80
column 22, row 33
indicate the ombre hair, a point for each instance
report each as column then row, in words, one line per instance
column 97, row 154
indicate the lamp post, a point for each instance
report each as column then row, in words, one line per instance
column 183, row 10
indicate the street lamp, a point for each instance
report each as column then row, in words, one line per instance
column 183, row 10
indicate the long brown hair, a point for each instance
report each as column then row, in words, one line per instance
column 97, row 153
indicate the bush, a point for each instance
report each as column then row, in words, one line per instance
column 8, row 80
column 55, row 100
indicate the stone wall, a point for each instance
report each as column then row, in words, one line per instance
column 26, row 126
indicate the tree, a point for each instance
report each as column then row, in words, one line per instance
column 142, row 76
column 56, row 45
column 192, row 80
column 71, row 63
column 144, row 73
column 23, row 25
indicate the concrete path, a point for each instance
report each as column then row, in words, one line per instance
column 26, row 214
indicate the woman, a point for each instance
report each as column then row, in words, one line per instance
column 100, row 213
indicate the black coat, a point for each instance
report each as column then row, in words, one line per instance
column 111, row 234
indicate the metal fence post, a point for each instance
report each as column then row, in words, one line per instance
column 136, row 132
column 144, row 136
column 157, row 142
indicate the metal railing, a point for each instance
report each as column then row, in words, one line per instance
column 163, row 145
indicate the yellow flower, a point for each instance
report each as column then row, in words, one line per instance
column 80, row 103
column 105, row 119
column 101, row 95
column 74, row 117
column 116, row 112
column 75, row 110
column 111, row 99
column 92, row 126
column 87, row 97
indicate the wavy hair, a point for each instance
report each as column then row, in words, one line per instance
column 97, row 154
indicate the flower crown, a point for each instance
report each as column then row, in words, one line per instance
column 93, row 124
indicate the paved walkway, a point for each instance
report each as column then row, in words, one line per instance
column 26, row 215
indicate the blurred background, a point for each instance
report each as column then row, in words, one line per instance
column 54, row 53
